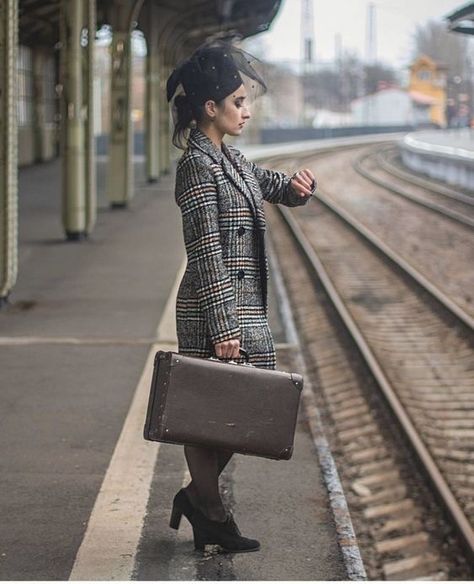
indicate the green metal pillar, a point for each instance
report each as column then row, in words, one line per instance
column 8, row 148
column 73, row 143
column 120, row 165
column 153, row 98
column 164, row 116
column 167, row 150
column 39, row 61
column 90, row 168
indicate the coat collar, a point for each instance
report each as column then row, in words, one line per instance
column 200, row 140
column 226, row 158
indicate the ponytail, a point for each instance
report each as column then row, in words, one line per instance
column 187, row 114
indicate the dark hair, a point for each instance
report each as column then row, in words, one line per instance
column 186, row 112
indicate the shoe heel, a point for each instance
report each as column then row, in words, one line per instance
column 175, row 518
column 199, row 540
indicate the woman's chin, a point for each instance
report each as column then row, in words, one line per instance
column 236, row 132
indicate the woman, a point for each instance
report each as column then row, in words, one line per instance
column 221, row 304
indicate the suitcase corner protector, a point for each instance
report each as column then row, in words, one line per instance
column 297, row 380
column 286, row 453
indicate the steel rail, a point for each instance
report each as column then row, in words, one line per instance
column 447, row 213
column 319, row 273
column 399, row 261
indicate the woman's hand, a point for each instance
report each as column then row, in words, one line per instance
column 228, row 349
column 303, row 182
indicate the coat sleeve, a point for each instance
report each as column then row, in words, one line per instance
column 196, row 195
column 275, row 186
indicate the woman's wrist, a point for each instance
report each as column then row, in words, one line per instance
column 313, row 182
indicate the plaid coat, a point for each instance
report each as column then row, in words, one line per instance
column 222, row 294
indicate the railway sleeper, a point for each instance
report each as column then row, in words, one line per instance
column 388, row 495
column 441, row 407
column 411, row 567
column 404, row 524
column 341, row 395
column 372, row 466
column 371, row 492
column 372, row 453
column 350, row 412
column 355, row 401
column 363, row 443
column 398, row 507
column 349, row 435
column 434, row 577
column 353, row 422
column 396, row 544
column 380, row 478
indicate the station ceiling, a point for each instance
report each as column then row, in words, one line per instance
column 462, row 20
column 191, row 20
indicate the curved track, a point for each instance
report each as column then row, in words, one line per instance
column 375, row 167
column 389, row 160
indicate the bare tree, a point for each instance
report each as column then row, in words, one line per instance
column 378, row 74
column 434, row 40
column 335, row 86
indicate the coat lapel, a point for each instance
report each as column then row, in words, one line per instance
column 234, row 173
column 247, row 186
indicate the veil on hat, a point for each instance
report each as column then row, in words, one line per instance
column 249, row 69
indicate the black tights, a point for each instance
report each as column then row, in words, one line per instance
column 205, row 465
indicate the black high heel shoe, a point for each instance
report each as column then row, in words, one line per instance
column 222, row 533
column 181, row 506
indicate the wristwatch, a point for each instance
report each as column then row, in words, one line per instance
column 313, row 182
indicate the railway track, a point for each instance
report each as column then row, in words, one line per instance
column 375, row 166
column 417, row 354
column 439, row 249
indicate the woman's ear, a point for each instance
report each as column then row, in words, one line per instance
column 210, row 108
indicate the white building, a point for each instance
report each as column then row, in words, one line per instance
column 324, row 118
column 392, row 106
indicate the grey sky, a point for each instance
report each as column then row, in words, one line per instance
column 396, row 21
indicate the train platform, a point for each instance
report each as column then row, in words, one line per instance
column 446, row 155
column 83, row 496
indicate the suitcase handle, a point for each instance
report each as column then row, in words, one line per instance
column 242, row 352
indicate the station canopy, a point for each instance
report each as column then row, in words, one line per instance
column 462, row 19
column 39, row 19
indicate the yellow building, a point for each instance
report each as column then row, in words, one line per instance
column 428, row 84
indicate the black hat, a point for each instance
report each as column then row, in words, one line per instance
column 213, row 72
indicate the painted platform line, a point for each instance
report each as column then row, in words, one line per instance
column 109, row 546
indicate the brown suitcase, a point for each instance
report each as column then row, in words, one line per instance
column 209, row 402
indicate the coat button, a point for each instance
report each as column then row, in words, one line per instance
column 240, row 274
column 241, row 230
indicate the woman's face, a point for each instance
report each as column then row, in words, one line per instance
column 233, row 113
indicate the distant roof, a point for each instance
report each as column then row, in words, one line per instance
column 427, row 59
column 384, row 91
column 462, row 19
column 422, row 98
